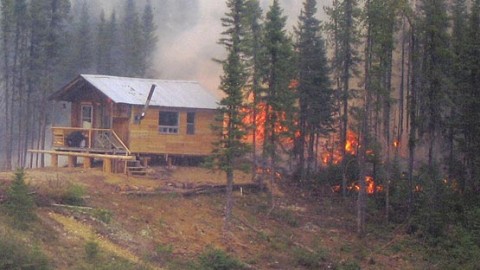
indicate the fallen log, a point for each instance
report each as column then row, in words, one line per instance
column 72, row 206
column 198, row 190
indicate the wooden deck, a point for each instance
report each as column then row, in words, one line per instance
column 94, row 140
column 88, row 157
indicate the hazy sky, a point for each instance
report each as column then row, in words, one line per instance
column 188, row 31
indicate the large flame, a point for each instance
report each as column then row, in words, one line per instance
column 332, row 153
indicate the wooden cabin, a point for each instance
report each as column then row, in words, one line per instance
column 120, row 116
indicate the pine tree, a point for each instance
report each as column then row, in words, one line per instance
column 149, row 38
column 279, row 98
column 132, row 53
column 344, row 16
column 102, row 45
column 7, row 26
column 435, row 74
column 254, row 54
column 47, row 43
column 80, row 58
column 20, row 204
column 458, row 95
column 314, row 87
column 470, row 103
column 231, row 129
column 113, row 38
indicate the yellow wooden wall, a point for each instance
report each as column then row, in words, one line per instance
column 145, row 137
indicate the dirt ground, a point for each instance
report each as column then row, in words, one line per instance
column 161, row 229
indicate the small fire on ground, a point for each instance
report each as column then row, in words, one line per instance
column 370, row 186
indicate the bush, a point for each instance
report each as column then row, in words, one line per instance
column 286, row 216
column 20, row 204
column 310, row 260
column 216, row 259
column 103, row 215
column 349, row 265
column 62, row 191
column 14, row 254
column 91, row 250
column 74, row 195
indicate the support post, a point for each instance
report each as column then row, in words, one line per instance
column 87, row 163
column 54, row 160
column 107, row 165
column 72, row 161
column 145, row 161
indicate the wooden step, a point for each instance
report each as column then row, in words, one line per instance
column 135, row 168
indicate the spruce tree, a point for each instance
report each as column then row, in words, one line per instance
column 435, row 74
column 279, row 98
column 254, row 55
column 470, row 103
column 314, row 88
column 132, row 53
column 80, row 53
column 231, row 129
column 458, row 94
column 113, row 38
column 149, row 38
column 344, row 16
column 20, row 204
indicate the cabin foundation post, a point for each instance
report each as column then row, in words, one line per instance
column 54, row 160
column 87, row 163
column 107, row 165
column 72, row 161
column 145, row 161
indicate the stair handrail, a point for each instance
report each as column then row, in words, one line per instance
column 128, row 152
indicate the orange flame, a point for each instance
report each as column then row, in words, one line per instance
column 370, row 186
column 396, row 144
column 333, row 155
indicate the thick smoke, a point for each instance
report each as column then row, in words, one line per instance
column 188, row 31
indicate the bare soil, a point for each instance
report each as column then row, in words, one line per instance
column 163, row 230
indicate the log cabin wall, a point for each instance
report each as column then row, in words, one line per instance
column 102, row 108
column 145, row 137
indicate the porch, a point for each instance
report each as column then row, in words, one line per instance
column 89, row 144
column 88, row 140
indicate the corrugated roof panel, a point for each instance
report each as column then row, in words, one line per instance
column 182, row 94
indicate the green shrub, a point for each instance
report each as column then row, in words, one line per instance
column 162, row 253
column 20, row 204
column 349, row 265
column 310, row 260
column 216, row 259
column 74, row 195
column 287, row 216
column 456, row 250
column 15, row 254
column 103, row 215
column 91, row 250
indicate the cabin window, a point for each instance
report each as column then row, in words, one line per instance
column 190, row 123
column 168, row 122
column 87, row 116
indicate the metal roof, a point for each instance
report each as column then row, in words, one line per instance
column 168, row 93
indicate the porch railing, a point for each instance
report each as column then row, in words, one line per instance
column 89, row 138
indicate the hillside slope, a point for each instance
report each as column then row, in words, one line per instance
column 140, row 223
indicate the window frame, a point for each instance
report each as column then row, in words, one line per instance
column 191, row 124
column 88, row 118
column 168, row 128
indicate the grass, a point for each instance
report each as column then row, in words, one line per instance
column 85, row 232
